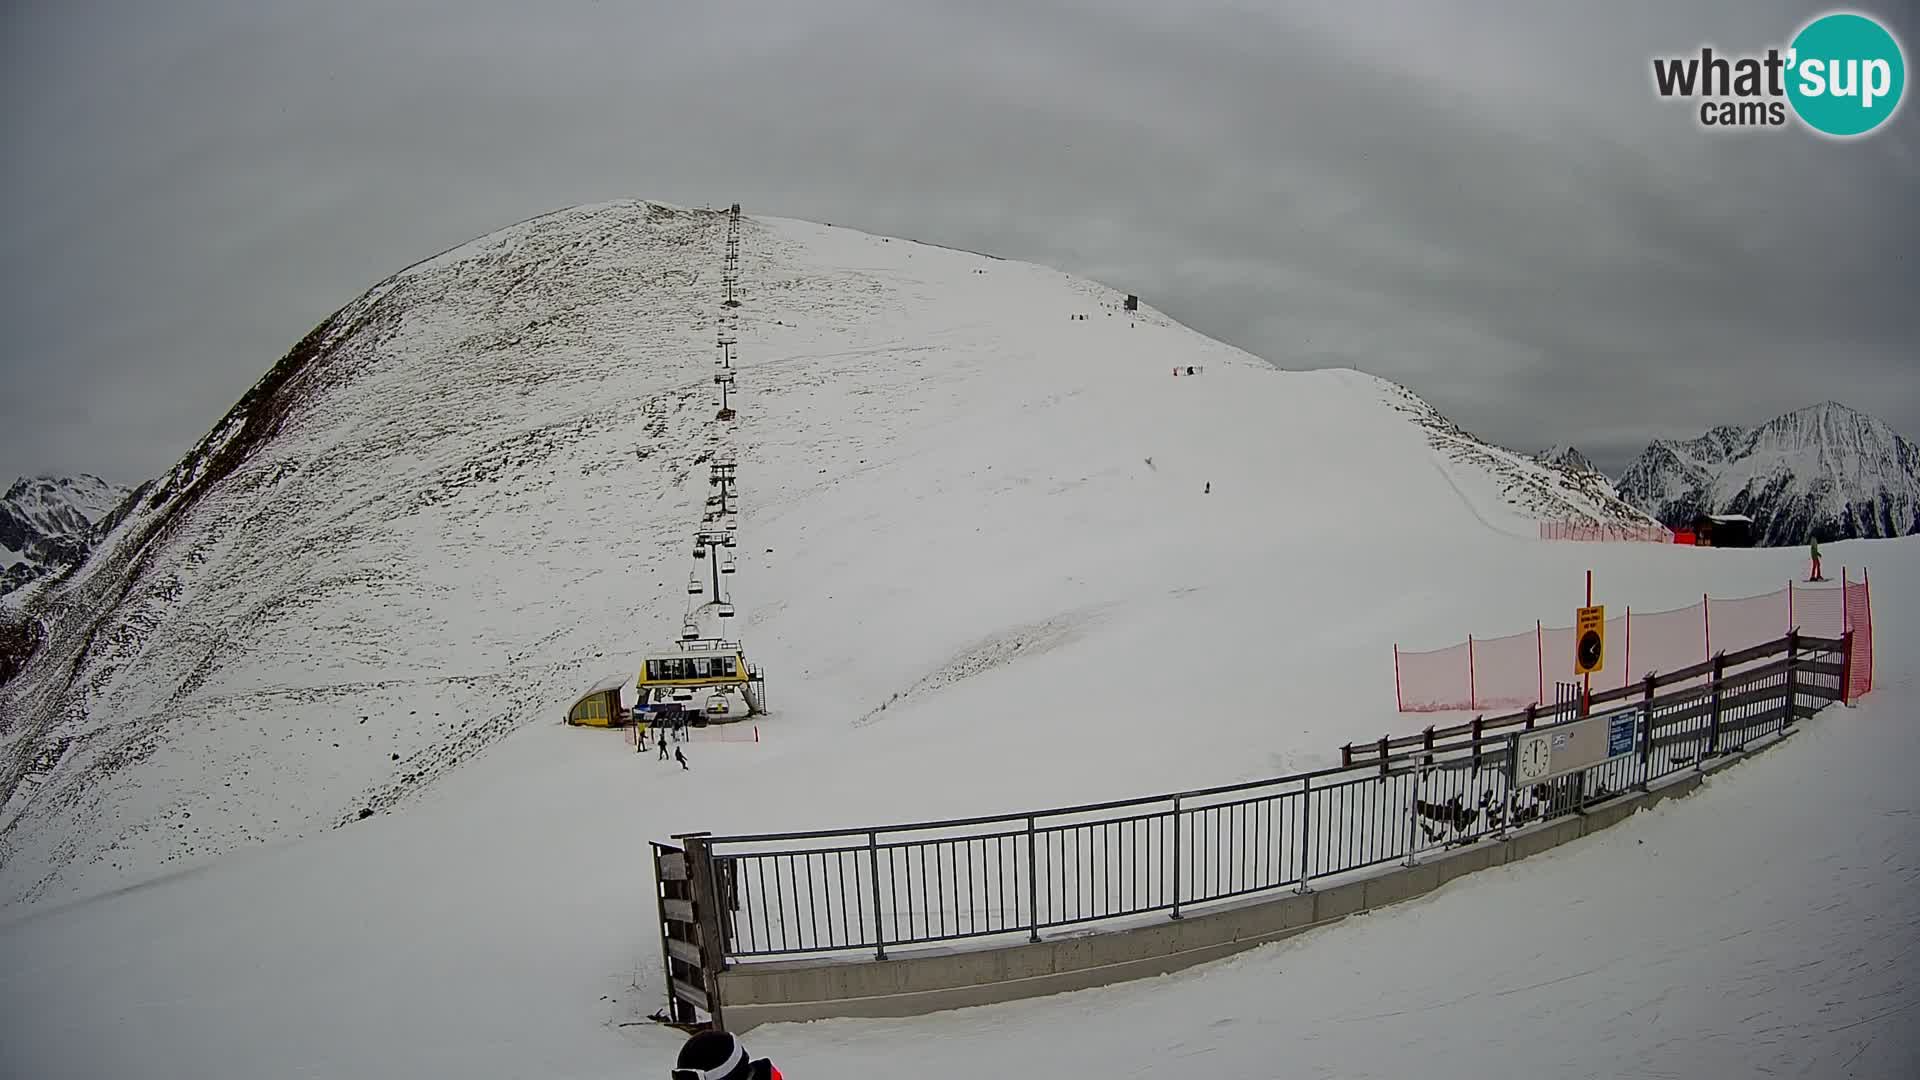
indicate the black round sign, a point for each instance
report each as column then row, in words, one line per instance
column 1589, row 650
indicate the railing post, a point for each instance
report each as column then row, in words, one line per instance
column 706, row 914
column 1646, row 733
column 1383, row 755
column 1713, row 720
column 1176, row 856
column 1306, row 832
column 1346, row 756
column 1793, row 678
column 1530, row 713
column 1033, row 885
column 873, row 865
column 1413, row 810
column 1479, row 724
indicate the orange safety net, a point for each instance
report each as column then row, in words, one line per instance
column 1520, row 669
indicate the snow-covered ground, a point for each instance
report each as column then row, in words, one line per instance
column 499, row 927
column 959, row 502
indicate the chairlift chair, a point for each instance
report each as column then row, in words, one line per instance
column 727, row 567
column 716, row 705
column 699, row 550
column 726, row 610
column 694, row 585
column 689, row 632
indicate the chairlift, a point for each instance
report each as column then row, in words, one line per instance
column 689, row 632
column 694, row 585
column 725, row 610
column 699, row 550
column 727, row 567
column 730, row 540
column 723, row 378
column 733, row 522
column 716, row 705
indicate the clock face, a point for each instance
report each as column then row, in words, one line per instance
column 1534, row 756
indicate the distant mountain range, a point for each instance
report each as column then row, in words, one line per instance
column 48, row 523
column 1825, row 471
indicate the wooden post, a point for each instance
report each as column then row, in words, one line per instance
column 706, row 912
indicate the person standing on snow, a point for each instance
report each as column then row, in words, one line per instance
column 680, row 756
column 718, row 1055
column 663, row 746
column 1815, row 552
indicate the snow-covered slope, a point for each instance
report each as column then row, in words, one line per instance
column 499, row 927
column 47, row 522
column 1825, row 470
column 1541, row 489
column 469, row 494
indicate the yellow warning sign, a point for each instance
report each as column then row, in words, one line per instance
column 1590, row 640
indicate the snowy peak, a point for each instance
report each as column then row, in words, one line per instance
column 1826, row 470
column 47, row 523
column 1567, row 457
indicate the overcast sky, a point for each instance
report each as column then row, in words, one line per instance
column 1484, row 200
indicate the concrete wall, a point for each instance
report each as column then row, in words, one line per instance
column 928, row 981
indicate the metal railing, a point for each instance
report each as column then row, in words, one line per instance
column 872, row 889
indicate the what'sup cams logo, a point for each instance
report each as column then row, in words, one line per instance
column 1842, row 76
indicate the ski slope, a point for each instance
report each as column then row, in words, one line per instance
column 498, row 928
column 472, row 493
column 960, row 503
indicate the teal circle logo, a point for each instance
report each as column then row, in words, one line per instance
column 1846, row 74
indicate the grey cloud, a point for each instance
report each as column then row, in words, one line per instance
column 1483, row 201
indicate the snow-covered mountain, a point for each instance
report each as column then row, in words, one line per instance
column 1826, row 470
column 468, row 494
column 1567, row 457
column 47, row 524
column 1546, row 490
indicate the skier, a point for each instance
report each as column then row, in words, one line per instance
column 663, row 747
column 718, row 1055
column 1816, row 560
column 680, row 756
column 1209, row 488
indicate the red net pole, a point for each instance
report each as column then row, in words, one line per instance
column 1626, row 665
column 1399, row 703
column 1866, row 587
column 1706, row 621
column 1473, row 688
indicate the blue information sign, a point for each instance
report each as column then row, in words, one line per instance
column 1620, row 734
